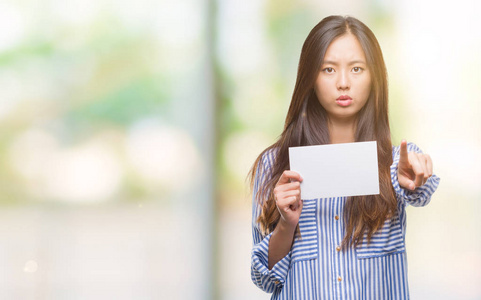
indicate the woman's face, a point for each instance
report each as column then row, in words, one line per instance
column 344, row 82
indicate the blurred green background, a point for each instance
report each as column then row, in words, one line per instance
column 127, row 130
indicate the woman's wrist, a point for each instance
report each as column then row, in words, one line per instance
column 285, row 227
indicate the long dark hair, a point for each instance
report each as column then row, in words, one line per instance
column 307, row 124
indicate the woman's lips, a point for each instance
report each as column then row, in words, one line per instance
column 344, row 101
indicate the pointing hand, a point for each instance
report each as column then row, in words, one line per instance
column 414, row 169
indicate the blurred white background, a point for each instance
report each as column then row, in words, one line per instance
column 128, row 128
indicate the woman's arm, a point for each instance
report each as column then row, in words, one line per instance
column 270, row 261
column 280, row 243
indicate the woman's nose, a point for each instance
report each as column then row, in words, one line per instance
column 343, row 81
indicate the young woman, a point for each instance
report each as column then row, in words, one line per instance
column 340, row 247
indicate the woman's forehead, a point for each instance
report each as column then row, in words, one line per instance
column 345, row 49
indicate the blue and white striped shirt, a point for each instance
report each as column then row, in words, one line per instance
column 315, row 268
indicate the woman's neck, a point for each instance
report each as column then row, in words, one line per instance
column 342, row 131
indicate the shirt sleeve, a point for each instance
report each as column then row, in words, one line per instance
column 421, row 195
column 265, row 279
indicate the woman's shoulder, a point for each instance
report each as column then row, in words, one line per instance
column 268, row 156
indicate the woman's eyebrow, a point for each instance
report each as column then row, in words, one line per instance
column 353, row 62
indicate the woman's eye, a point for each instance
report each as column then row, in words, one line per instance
column 357, row 69
column 329, row 70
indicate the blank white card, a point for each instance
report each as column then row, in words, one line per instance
column 336, row 170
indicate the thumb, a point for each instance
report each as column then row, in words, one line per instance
column 406, row 183
column 297, row 205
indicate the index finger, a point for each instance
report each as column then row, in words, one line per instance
column 287, row 176
column 404, row 151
